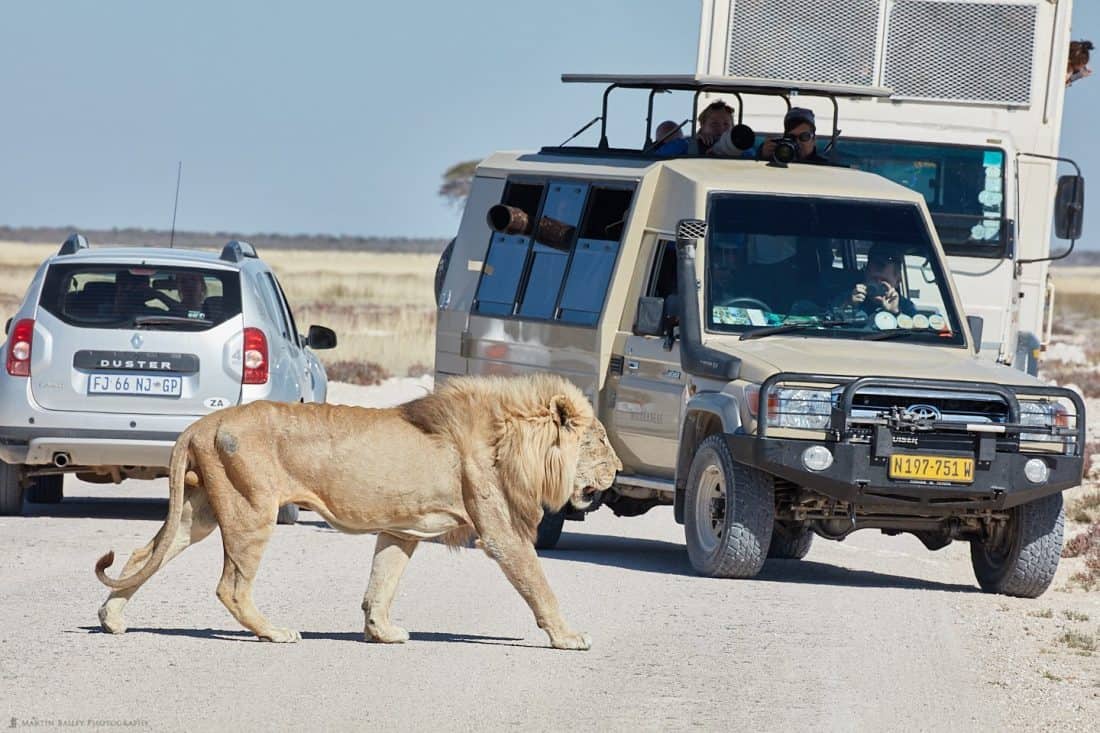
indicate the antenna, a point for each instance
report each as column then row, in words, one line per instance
column 172, row 236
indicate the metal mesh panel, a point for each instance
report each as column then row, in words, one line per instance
column 980, row 52
column 830, row 41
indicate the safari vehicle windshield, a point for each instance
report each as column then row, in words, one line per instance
column 963, row 187
column 832, row 268
column 127, row 296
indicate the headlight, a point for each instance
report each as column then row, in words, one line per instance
column 1045, row 414
column 807, row 409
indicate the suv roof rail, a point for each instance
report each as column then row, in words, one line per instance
column 236, row 250
column 73, row 244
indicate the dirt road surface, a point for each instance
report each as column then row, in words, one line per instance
column 870, row 634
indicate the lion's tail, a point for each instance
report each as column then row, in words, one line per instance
column 177, row 475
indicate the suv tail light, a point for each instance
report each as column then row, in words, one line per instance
column 19, row 348
column 255, row 357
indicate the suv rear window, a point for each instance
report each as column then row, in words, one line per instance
column 129, row 296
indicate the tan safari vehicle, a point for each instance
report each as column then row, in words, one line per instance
column 777, row 351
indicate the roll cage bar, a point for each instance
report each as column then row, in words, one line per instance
column 698, row 84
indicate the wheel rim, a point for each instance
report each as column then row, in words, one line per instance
column 710, row 508
column 997, row 551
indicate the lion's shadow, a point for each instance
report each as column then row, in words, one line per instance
column 659, row 556
column 356, row 636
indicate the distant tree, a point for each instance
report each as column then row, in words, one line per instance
column 456, row 182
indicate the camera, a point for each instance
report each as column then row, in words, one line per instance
column 876, row 290
column 786, row 151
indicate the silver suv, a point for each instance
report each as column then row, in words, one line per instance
column 114, row 351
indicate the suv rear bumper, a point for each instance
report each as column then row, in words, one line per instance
column 856, row 477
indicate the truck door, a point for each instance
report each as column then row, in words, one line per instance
column 648, row 394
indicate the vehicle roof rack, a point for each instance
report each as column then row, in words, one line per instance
column 733, row 85
column 73, row 244
column 236, row 250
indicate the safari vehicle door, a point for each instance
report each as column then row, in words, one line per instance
column 646, row 382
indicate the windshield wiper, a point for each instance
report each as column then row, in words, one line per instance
column 887, row 335
column 757, row 333
column 171, row 321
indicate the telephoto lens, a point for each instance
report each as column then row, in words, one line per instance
column 786, row 150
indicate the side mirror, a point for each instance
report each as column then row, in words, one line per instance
column 650, row 320
column 7, row 327
column 1069, row 207
column 321, row 338
column 976, row 324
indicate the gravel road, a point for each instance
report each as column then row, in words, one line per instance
column 873, row 633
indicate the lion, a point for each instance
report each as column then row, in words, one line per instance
column 479, row 459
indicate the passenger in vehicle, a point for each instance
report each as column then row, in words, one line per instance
column 1078, row 66
column 879, row 284
column 667, row 132
column 799, row 125
column 192, row 290
column 715, row 121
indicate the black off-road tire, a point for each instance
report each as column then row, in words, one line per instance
column 11, row 493
column 1025, row 563
column 288, row 514
column 47, row 489
column 790, row 542
column 732, row 542
column 550, row 530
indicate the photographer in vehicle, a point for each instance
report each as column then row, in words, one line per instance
column 799, row 132
column 878, row 288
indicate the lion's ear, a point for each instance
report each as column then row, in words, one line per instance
column 564, row 411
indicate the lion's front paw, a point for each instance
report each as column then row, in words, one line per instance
column 388, row 634
column 580, row 642
column 112, row 623
column 281, row 636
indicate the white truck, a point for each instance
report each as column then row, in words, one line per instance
column 973, row 124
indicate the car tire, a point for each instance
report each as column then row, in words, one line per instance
column 729, row 513
column 790, row 542
column 47, row 489
column 1024, row 561
column 288, row 514
column 550, row 530
column 11, row 492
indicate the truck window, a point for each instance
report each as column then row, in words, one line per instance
column 962, row 185
column 559, row 267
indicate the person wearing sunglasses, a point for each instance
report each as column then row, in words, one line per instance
column 800, row 126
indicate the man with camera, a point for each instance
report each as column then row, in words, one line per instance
column 878, row 290
column 799, row 138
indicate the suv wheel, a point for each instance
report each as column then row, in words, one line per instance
column 730, row 511
column 288, row 514
column 790, row 542
column 11, row 493
column 1022, row 558
column 46, row 489
column 550, row 530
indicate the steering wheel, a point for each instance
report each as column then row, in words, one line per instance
column 747, row 302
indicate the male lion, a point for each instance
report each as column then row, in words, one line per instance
column 480, row 457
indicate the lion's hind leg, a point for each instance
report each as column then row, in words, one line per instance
column 196, row 523
column 391, row 555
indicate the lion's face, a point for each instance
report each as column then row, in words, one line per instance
column 597, row 465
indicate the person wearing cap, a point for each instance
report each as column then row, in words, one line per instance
column 798, row 125
column 878, row 288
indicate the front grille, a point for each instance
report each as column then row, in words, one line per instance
column 952, row 408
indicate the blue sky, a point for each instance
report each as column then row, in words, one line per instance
column 321, row 117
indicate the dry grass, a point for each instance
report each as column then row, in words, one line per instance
column 381, row 305
column 1081, row 642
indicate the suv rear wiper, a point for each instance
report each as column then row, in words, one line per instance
column 757, row 333
column 171, row 321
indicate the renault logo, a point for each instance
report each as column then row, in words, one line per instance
column 136, row 340
column 923, row 413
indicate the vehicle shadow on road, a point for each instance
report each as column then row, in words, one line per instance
column 96, row 508
column 658, row 556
